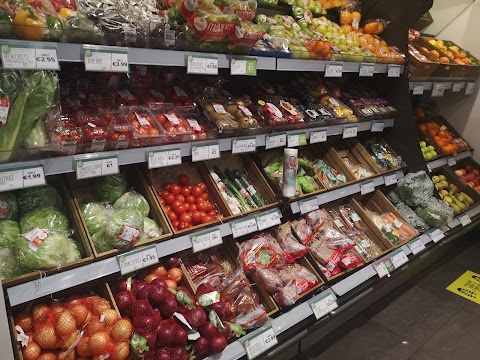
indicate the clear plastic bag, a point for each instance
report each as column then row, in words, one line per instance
column 415, row 188
column 375, row 26
column 261, row 250
column 302, row 230
column 292, row 249
column 132, row 200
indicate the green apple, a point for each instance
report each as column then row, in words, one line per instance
column 430, row 148
column 424, row 150
column 434, row 153
column 423, row 144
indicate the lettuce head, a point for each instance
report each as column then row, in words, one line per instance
column 48, row 218
column 133, row 200
column 39, row 196
column 95, row 216
column 9, row 231
column 109, row 188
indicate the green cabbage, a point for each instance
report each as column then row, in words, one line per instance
column 8, row 206
column 150, row 229
column 8, row 266
column 110, row 188
column 101, row 243
column 34, row 197
column 132, row 200
column 73, row 253
column 95, row 216
column 9, row 231
column 52, row 252
column 45, row 218
column 116, row 233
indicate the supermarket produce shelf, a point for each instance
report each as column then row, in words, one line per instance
column 65, row 164
column 460, row 85
column 432, row 165
column 342, row 192
column 140, row 56
column 302, row 311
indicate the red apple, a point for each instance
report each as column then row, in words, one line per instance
column 476, row 172
column 477, row 189
column 468, row 168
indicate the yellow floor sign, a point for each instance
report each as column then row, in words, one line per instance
column 467, row 286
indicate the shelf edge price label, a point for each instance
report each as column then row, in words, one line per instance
column 95, row 167
column 390, row 179
column 367, row 188
column 366, row 69
column 243, row 227
column 465, row 220
column 23, row 177
column 244, row 145
column 103, row 58
column 207, row 65
column 416, row 246
column 318, row 136
column 137, row 259
column 451, row 161
column 29, row 57
column 260, row 342
column 349, row 132
column 243, row 66
column 436, row 235
column 275, row 141
column 398, row 259
column 393, row 70
column 382, row 269
column 206, row 240
column 333, row 70
column 456, row 87
column 294, row 140
column 268, row 220
column 325, row 304
column 307, row 206
column 205, row 152
column 377, row 126
column 438, row 89
column 469, row 88
column 162, row 158
column 417, row 89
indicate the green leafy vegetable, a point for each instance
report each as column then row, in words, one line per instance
column 123, row 229
column 95, row 216
column 8, row 206
column 45, row 217
column 110, row 188
column 133, row 200
column 9, row 231
column 34, row 197
column 8, row 266
column 150, row 229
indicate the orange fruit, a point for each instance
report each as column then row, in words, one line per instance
column 435, row 54
column 444, row 60
column 347, row 29
column 422, row 128
column 345, row 17
column 432, row 133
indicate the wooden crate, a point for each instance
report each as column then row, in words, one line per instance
column 473, row 70
column 156, row 177
column 246, row 165
column 79, row 235
column 369, row 157
column 378, row 203
column 443, row 70
column 462, row 164
column 135, row 178
column 418, row 67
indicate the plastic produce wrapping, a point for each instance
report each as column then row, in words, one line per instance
column 351, row 218
column 47, row 218
column 95, row 216
column 382, row 156
column 150, row 229
column 292, row 249
column 123, row 229
column 394, row 198
column 39, row 196
column 8, row 265
column 8, row 206
column 261, row 250
column 110, row 188
column 435, row 212
column 364, row 245
column 9, row 231
column 415, row 188
column 132, row 200
column 412, row 217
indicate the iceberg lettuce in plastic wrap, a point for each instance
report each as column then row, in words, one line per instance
column 132, row 200
column 9, row 232
column 45, row 218
column 150, row 229
column 8, row 266
column 39, row 196
column 110, row 188
column 95, row 216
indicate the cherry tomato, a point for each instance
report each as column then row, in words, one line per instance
column 202, row 206
column 166, row 186
column 198, row 201
column 168, row 207
column 208, row 206
column 186, row 191
column 204, row 196
column 193, row 207
column 181, row 226
column 163, row 194
column 170, row 198
column 183, row 180
column 153, row 132
column 162, row 202
column 212, row 213
column 180, row 198
column 171, row 215
column 179, row 209
column 206, row 219
column 190, row 199
column 176, row 203
column 189, row 225
column 202, row 186
column 196, row 217
column 186, row 206
column 175, row 189
column 186, row 217
column 196, row 191
column 175, row 224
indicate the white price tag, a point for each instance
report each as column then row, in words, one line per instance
column 307, row 206
column 393, row 71
column 88, row 168
column 418, row 90
column 326, row 303
column 202, row 65
column 261, row 342
column 377, row 126
column 137, row 259
column 456, row 87
column 333, row 70
column 268, row 220
column 436, row 235
column 451, row 161
column 367, row 188
column 243, row 227
column 297, row 139
column 398, row 259
column 205, row 152
column 469, row 88
column 105, row 58
column 162, row 158
column 416, row 246
column 206, row 240
column 438, row 89
column 464, row 220
column 349, row 132
column 390, row 179
column 381, row 270
column 318, row 136
column 244, row 145
column 22, row 178
column 366, row 69
column 30, row 57
column 243, row 66
column 274, row 141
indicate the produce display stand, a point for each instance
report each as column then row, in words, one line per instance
column 354, row 290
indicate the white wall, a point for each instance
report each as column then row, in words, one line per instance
column 444, row 11
column 463, row 112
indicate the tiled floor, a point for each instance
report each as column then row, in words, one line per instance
column 427, row 322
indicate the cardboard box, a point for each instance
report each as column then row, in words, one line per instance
column 418, row 67
column 443, row 70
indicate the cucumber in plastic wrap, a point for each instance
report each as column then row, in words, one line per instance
column 411, row 216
